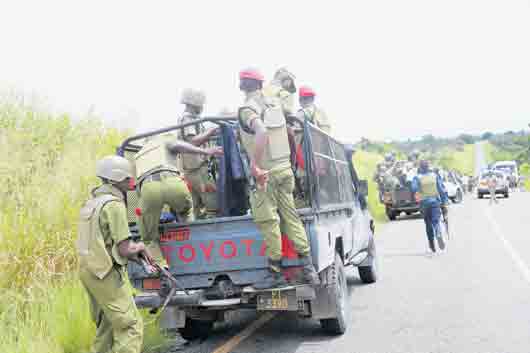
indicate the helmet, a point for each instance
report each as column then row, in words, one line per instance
column 282, row 74
column 389, row 157
column 306, row 91
column 251, row 73
column 193, row 97
column 424, row 164
column 114, row 168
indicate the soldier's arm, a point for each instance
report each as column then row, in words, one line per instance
column 200, row 139
column 179, row 146
column 252, row 121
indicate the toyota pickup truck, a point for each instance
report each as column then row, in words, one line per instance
column 217, row 261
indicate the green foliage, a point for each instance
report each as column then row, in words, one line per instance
column 46, row 171
column 365, row 163
column 462, row 160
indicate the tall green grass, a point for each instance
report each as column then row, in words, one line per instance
column 46, row 172
column 365, row 163
column 462, row 160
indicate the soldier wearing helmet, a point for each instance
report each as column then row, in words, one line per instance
column 282, row 87
column 310, row 111
column 160, row 183
column 104, row 248
column 195, row 167
column 263, row 131
column 430, row 192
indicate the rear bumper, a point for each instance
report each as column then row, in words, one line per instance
column 153, row 300
column 497, row 191
column 404, row 208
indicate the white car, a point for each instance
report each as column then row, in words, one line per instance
column 503, row 184
column 453, row 187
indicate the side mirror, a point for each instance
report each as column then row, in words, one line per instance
column 363, row 188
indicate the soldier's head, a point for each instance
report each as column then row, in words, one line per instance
column 250, row 80
column 424, row 165
column 306, row 96
column 115, row 170
column 285, row 79
column 194, row 100
column 389, row 158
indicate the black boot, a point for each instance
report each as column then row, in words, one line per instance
column 274, row 278
column 309, row 275
column 431, row 245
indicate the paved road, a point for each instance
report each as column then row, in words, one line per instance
column 473, row 298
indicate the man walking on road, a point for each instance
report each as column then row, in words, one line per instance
column 492, row 186
column 263, row 131
column 431, row 193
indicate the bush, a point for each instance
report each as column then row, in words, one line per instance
column 46, row 171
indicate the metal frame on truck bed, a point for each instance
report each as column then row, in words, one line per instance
column 218, row 260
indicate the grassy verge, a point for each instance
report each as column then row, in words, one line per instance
column 462, row 160
column 46, row 171
column 365, row 164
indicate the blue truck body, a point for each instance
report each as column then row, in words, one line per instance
column 218, row 260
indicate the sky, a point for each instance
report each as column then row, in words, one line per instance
column 382, row 69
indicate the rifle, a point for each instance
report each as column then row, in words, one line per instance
column 146, row 261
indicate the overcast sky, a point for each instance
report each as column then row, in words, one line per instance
column 381, row 68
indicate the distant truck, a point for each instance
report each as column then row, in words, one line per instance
column 398, row 196
column 217, row 261
column 509, row 168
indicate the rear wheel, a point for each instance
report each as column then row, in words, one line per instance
column 506, row 194
column 391, row 214
column 480, row 195
column 338, row 292
column 368, row 274
column 196, row 329
column 459, row 197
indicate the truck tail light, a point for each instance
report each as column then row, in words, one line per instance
column 151, row 284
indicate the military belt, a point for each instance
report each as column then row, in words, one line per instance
column 158, row 176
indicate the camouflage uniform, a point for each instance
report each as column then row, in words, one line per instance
column 276, row 202
column 316, row 116
column 195, row 167
column 276, row 90
column 103, row 225
column 160, row 183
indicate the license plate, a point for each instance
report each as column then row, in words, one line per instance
column 278, row 300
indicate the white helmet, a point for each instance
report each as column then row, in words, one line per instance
column 193, row 97
column 114, row 168
column 282, row 74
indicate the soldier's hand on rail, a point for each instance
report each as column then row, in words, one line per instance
column 214, row 151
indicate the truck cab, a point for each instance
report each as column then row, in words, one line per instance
column 217, row 261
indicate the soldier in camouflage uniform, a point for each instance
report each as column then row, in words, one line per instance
column 282, row 87
column 104, row 247
column 195, row 167
column 310, row 111
column 263, row 131
column 161, row 183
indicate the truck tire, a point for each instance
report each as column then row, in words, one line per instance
column 506, row 194
column 196, row 329
column 338, row 292
column 480, row 195
column 368, row 274
column 390, row 214
column 459, row 197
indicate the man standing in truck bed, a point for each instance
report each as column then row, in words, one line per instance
column 263, row 130
column 203, row 188
column 160, row 183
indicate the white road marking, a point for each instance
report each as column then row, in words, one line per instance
column 521, row 265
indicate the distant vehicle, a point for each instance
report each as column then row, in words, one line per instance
column 510, row 168
column 453, row 185
column 503, row 184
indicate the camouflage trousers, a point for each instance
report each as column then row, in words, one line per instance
column 154, row 195
column 275, row 213
column 119, row 326
column 203, row 192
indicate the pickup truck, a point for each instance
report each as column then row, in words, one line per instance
column 217, row 261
